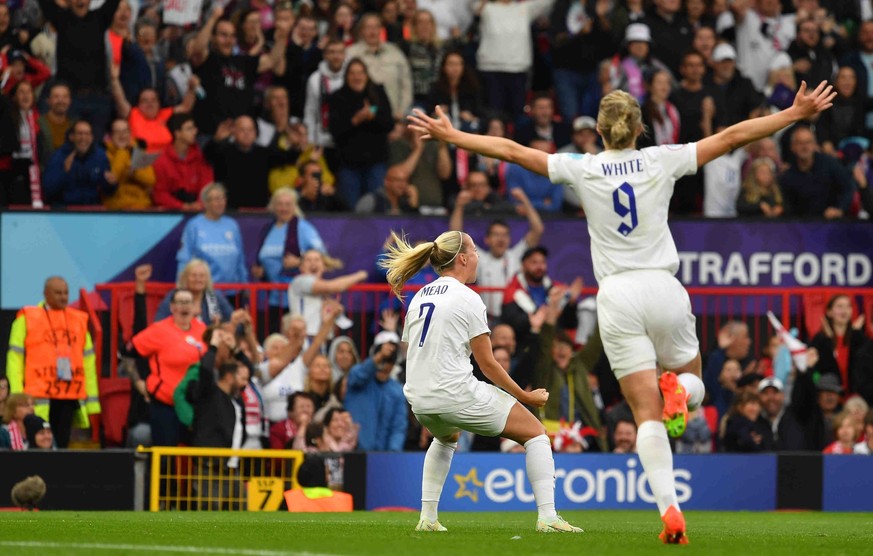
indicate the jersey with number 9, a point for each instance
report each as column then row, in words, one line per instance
column 626, row 197
column 441, row 319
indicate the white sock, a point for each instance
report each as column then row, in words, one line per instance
column 437, row 462
column 653, row 447
column 541, row 474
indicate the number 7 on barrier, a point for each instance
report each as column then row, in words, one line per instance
column 430, row 307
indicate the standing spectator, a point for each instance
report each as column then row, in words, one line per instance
column 326, row 80
column 215, row 238
column 815, row 184
column 25, row 181
column 859, row 60
column 81, row 56
column 744, row 431
column 375, row 400
column 342, row 23
column 624, row 437
column 397, row 196
column 303, row 56
column 671, row 33
column 660, row 116
column 425, row 51
column 360, row 121
column 427, row 165
column 315, row 195
column 134, row 184
column 456, row 89
column 721, row 185
column 181, row 170
column 542, row 193
column 631, row 68
column 78, row 173
column 385, row 64
column 733, row 343
column 500, row 263
column 839, row 340
column 146, row 35
column 453, row 17
column 209, row 305
column 762, row 31
column 228, row 78
column 760, row 195
column 846, row 118
column 55, row 124
column 704, row 41
column 505, row 53
column 51, row 358
column 813, row 61
column 742, row 101
column 543, row 126
column 12, row 433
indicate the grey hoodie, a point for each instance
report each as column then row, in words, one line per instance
column 321, row 81
column 336, row 372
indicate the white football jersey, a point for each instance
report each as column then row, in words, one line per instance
column 441, row 320
column 626, row 197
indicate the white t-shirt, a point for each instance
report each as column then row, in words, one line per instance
column 626, row 196
column 755, row 49
column 496, row 272
column 721, row 185
column 302, row 302
column 275, row 391
column 442, row 319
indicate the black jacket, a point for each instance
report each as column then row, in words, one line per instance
column 365, row 144
column 214, row 413
column 245, row 173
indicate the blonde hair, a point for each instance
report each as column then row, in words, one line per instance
column 619, row 120
column 290, row 318
column 752, row 189
column 274, row 338
column 182, row 282
column 285, row 190
column 214, row 186
column 13, row 402
column 330, row 263
column 403, row 260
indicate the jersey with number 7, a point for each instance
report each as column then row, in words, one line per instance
column 442, row 318
column 626, row 197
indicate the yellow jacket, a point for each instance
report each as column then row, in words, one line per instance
column 134, row 188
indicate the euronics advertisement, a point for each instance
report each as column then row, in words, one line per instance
column 493, row 482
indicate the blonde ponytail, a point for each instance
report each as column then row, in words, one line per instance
column 403, row 261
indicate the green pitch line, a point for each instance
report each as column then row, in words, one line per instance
column 622, row 533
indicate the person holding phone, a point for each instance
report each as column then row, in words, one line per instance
column 315, row 196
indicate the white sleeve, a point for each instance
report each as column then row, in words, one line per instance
column 311, row 107
column 677, row 160
column 477, row 316
column 563, row 167
column 303, row 284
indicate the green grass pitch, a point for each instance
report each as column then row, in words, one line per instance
column 622, row 533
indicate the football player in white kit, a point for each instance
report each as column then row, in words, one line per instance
column 445, row 322
column 644, row 312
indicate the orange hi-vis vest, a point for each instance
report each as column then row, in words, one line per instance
column 52, row 334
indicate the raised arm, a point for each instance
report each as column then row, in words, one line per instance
column 339, row 284
column 535, row 223
column 805, row 106
column 441, row 128
column 198, row 48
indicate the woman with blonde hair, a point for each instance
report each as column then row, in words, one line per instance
column 13, row 436
column 209, row 305
column 760, row 194
column 644, row 312
column 445, row 323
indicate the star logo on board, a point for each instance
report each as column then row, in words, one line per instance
column 464, row 482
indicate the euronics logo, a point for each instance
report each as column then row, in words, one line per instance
column 579, row 485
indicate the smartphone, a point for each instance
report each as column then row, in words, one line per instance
column 317, row 176
column 374, row 109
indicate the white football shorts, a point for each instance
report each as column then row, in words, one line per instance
column 486, row 417
column 645, row 318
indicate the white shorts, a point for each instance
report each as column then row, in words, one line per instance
column 486, row 417
column 645, row 318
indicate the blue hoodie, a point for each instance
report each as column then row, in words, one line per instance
column 84, row 184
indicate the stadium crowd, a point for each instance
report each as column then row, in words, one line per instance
column 300, row 107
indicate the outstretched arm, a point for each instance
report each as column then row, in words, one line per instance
column 805, row 106
column 441, row 128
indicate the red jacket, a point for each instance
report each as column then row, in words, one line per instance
column 176, row 176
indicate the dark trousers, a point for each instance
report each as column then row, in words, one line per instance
column 506, row 93
column 166, row 427
column 61, row 413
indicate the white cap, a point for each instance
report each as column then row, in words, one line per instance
column 771, row 382
column 723, row 52
column 781, row 61
column 637, row 32
column 584, row 122
column 386, row 337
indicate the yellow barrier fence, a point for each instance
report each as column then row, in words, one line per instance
column 216, row 479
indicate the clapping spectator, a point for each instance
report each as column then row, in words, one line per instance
column 340, row 431
column 397, row 196
column 134, row 184
column 286, row 434
column 208, row 306
column 181, row 170
column 78, row 173
column 744, row 431
column 839, row 340
column 760, row 195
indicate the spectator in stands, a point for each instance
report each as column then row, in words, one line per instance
column 23, row 67
column 704, row 41
column 343, row 355
column 181, row 170
column 477, row 199
column 863, row 174
column 4, row 394
column 215, row 238
column 865, row 447
column 81, row 55
column 44, row 45
column 316, row 196
column 631, row 67
column 55, row 337
column 309, row 290
column 858, row 59
column 671, row 33
column 146, row 36
column 375, row 400
column 360, row 120
column 55, row 124
column 342, row 23
column 495, row 169
column 302, row 59
column 340, row 431
column 660, row 115
column 743, row 431
column 839, row 340
column 742, row 100
column 845, row 434
column 697, row 438
column 425, row 52
column 385, row 63
column 733, row 343
column 229, row 78
column 208, row 305
column 861, row 371
column 13, row 435
column 813, row 61
column 326, row 80
column 846, row 117
column 283, row 370
column 242, row 164
column 427, row 165
column 457, row 90
column 25, row 178
column 763, row 148
column 397, row 196
column 39, row 433
column 564, row 372
column 505, row 53
column 148, row 121
column 762, row 31
column 134, row 183
column 543, row 126
column 171, row 345
column 541, row 192
column 452, row 18
column 502, row 261
column 319, row 384
column 760, row 195
column 78, row 173
column 624, row 438
column 584, row 139
column 815, row 184
column 301, row 408
column 528, row 290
